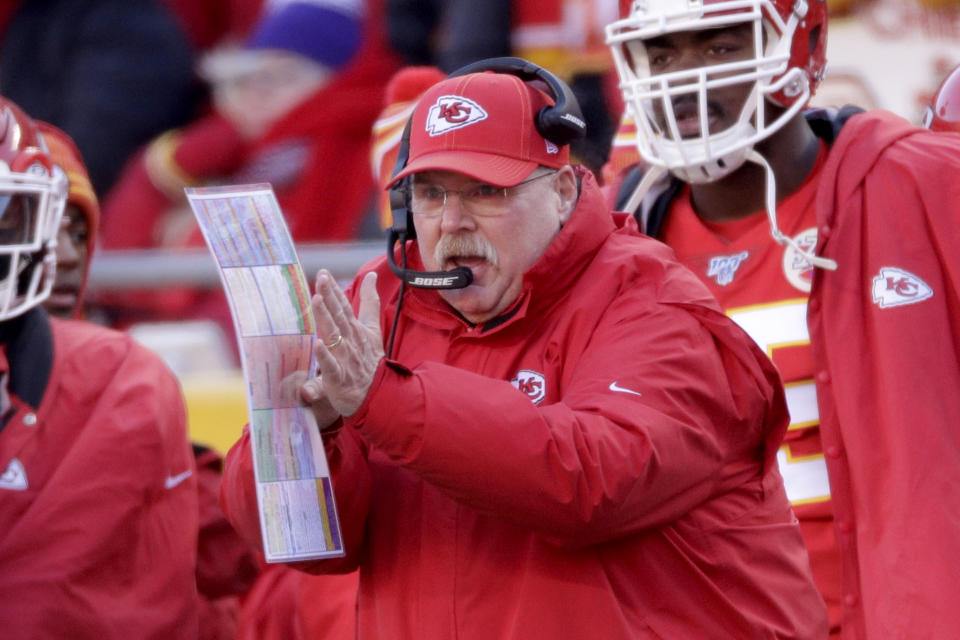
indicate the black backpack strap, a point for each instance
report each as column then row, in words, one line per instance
column 629, row 183
column 827, row 122
column 657, row 212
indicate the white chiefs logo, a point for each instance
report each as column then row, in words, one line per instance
column 797, row 269
column 723, row 268
column 531, row 383
column 15, row 477
column 893, row 287
column 453, row 112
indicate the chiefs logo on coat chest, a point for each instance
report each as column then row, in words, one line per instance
column 530, row 383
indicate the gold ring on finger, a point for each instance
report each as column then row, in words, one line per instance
column 336, row 342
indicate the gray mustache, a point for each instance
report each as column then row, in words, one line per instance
column 464, row 244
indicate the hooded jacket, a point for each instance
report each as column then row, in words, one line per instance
column 885, row 339
column 885, row 333
column 598, row 462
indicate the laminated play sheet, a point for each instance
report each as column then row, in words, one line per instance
column 270, row 303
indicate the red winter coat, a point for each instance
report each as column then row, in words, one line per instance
column 599, row 464
column 888, row 373
column 98, row 496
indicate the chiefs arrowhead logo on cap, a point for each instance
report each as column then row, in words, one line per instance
column 453, row 112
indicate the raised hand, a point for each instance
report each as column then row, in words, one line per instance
column 348, row 348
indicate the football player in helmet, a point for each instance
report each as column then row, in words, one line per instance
column 943, row 112
column 709, row 82
column 861, row 205
column 98, row 499
column 32, row 197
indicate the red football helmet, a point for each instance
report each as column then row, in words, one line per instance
column 786, row 65
column 32, row 197
column 943, row 112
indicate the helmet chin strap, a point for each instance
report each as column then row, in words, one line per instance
column 771, row 205
column 654, row 173
column 651, row 175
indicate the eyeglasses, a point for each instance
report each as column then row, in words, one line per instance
column 428, row 200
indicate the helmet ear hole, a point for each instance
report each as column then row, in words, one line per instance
column 815, row 37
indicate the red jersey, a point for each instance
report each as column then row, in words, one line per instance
column 764, row 287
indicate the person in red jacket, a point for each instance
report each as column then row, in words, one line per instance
column 227, row 567
column 286, row 604
column 99, row 508
column 225, row 564
column 572, row 443
column 294, row 108
column 854, row 297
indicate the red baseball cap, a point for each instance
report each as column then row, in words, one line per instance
column 481, row 125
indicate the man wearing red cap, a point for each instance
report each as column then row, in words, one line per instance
column 575, row 444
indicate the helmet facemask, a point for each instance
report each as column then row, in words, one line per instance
column 680, row 128
column 31, row 206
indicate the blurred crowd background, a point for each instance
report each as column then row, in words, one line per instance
column 165, row 94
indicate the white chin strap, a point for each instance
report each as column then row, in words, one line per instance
column 651, row 175
column 771, row 202
column 654, row 173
